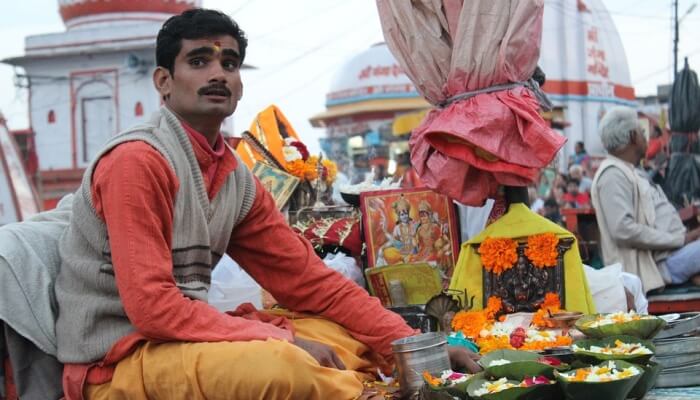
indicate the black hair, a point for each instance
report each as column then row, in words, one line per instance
column 195, row 23
column 539, row 76
column 582, row 145
column 517, row 194
column 573, row 180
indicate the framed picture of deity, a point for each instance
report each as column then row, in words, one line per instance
column 279, row 183
column 410, row 226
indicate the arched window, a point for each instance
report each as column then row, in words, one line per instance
column 51, row 117
column 138, row 109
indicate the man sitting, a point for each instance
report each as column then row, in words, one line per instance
column 639, row 227
column 157, row 209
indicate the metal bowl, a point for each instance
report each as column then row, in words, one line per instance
column 351, row 198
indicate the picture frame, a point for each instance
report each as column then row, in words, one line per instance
column 419, row 283
column 410, row 226
column 279, row 183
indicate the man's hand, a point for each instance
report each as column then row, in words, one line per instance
column 463, row 359
column 692, row 236
column 324, row 354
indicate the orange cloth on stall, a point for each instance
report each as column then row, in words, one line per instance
column 271, row 369
column 267, row 127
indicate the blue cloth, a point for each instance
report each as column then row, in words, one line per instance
column 683, row 263
column 458, row 339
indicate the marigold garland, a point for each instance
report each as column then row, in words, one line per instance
column 493, row 306
column 542, row 250
column 559, row 341
column 551, row 299
column 297, row 168
column 308, row 170
column 476, row 325
column 331, row 170
column 470, row 323
column 498, row 254
column 490, row 343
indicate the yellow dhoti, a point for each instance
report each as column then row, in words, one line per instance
column 271, row 369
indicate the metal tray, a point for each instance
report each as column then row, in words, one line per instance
column 679, row 377
column 677, row 345
column 686, row 323
column 678, row 360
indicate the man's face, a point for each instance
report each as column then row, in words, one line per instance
column 206, row 81
column 572, row 188
column 403, row 216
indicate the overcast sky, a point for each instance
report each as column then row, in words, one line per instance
column 298, row 45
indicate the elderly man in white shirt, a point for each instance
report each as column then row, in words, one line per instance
column 639, row 227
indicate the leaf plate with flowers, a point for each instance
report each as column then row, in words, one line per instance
column 451, row 381
column 505, row 389
column 621, row 347
column 518, row 365
column 612, row 379
column 620, row 323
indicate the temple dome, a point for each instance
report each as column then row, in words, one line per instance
column 82, row 12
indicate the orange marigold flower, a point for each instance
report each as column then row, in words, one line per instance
column 551, row 299
column 311, row 168
column 550, row 304
column 542, row 250
column 470, row 323
column 432, row 381
column 491, row 343
column 560, row 341
column 331, row 170
column 540, row 318
column 297, row 168
column 498, row 254
column 493, row 306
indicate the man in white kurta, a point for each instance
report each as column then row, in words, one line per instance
column 639, row 227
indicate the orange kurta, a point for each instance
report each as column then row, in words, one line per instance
column 134, row 190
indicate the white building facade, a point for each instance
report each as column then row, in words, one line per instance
column 89, row 82
column 586, row 67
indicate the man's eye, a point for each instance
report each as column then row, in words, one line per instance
column 197, row 62
column 230, row 65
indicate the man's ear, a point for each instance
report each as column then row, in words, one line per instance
column 634, row 137
column 162, row 81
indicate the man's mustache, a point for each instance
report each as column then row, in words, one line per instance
column 216, row 90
